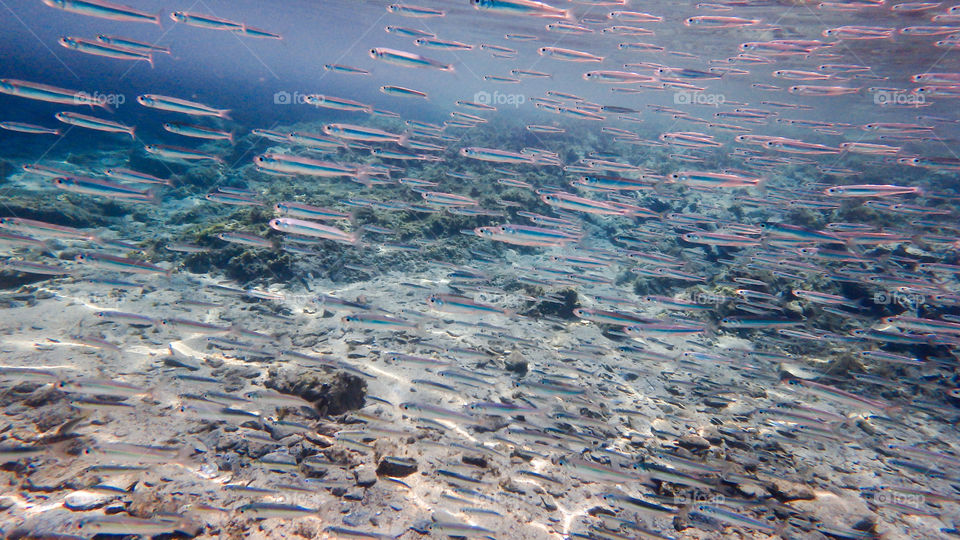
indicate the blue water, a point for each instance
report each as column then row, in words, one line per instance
column 718, row 313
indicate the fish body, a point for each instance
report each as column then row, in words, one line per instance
column 407, row 59
column 104, row 10
column 91, row 122
column 52, row 94
column 172, row 104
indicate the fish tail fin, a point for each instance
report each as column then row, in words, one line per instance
column 362, row 178
column 150, row 59
column 104, row 105
column 684, row 512
column 132, row 131
column 158, row 18
column 852, row 245
column 60, row 449
column 184, row 456
column 725, row 470
column 47, row 246
column 710, row 330
column 658, row 186
column 781, row 527
column 225, row 114
column 230, row 137
column 762, row 185
column 404, row 138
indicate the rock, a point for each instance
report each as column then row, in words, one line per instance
column 396, row 466
column 752, row 490
column 567, row 302
column 785, row 490
column 80, row 501
column 356, row 519
column 279, row 461
column 517, row 363
column 47, row 524
column 693, row 442
column 229, row 462
column 315, row 466
column 330, row 394
column 512, row 487
column 114, row 507
column 366, row 475
column 717, row 402
column 476, row 461
column 840, row 510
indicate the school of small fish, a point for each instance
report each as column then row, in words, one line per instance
column 696, row 317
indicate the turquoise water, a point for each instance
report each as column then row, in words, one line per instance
column 498, row 268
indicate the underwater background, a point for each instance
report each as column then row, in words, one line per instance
column 481, row 268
